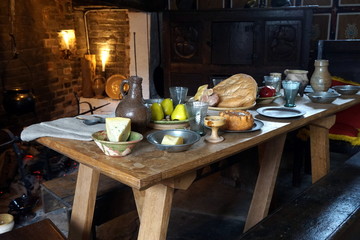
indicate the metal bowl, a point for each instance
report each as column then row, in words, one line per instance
column 190, row 137
column 116, row 149
column 347, row 89
column 150, row 101
column 323, row 97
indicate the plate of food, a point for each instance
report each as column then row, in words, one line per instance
column 232, row 108
column 237, row 92
column 112, row 87
column 257, row 126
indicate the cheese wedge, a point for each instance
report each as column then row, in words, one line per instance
column 172, row 140
column 118, row 128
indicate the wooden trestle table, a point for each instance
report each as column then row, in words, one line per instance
column 153, row 174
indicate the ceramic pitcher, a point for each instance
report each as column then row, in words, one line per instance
column 300, row 76
column 321, row 79
column 132, row 105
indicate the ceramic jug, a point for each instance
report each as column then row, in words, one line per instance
column 132, row 105
column 300, row 76
column 320, row 80
column 98, row 86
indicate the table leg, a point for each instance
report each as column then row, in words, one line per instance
column 155, row 212
column 84, row 203
column 270, row 154
column 319, row 146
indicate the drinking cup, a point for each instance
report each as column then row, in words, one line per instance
column 197, row 112
column 216, row 81
column 273, row 81
column 178, row 94
column 291, row 89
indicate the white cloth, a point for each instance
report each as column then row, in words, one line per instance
column 70, row 127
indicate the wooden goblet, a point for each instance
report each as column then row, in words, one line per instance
column 214, row 122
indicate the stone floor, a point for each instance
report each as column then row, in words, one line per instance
column 212, row 208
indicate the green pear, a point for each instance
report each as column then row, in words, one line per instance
column 179, row 113
column 167, row 106
column 156, row 112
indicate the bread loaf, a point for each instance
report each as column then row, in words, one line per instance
column 237, row 91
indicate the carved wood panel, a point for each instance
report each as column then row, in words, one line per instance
column 282, row 42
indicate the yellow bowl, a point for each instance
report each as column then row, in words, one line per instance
column 6, row 222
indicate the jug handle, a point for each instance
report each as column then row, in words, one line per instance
column 286, row 71
column 123, row 82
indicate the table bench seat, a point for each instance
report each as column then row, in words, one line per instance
column 42, row 230
column 329, row 209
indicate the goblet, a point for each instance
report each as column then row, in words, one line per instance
column 214, row 122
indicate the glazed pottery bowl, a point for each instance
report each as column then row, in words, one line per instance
column 190, row 137
column 323, row 97
column 267, row 100
column 116, row 149
column 346, row 89
column 6, row 222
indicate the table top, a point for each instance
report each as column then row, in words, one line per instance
column 146, row 165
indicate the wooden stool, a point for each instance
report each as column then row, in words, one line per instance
column 42, row 230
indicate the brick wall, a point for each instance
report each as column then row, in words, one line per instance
column 53, row 78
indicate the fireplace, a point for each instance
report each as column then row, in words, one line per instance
column 32, row 28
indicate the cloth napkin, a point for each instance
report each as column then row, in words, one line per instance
column 69, row 127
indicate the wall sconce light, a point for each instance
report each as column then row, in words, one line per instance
column 104, row 57
column 67, row 42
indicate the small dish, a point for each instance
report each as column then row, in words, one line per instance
column 190, row 137
column 346, row 89
column 323, row 97
column 267, row 100
column 116, row 149
column 6, row 222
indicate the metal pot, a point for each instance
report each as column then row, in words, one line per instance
column 19, row 101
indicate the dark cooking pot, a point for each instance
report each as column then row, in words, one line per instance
column 19, row 101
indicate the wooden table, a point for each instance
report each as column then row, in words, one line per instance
column 153, row 174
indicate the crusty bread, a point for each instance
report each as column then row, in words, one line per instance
column 237, row 120
column 238, row 90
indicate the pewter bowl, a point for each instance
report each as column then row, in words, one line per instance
column 150, row 101
column 190, row 137
column 323, row 97
column 346, row 89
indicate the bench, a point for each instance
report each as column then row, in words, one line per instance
column 113, row 198
column 329, row 209
column 42, row 230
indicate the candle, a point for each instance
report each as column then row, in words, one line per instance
column 104, row 57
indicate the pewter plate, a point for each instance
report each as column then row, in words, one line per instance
column 257, row 126
column 235, row 108
column 280, row 112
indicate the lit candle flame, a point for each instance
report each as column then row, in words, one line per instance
column 66, row 37
column 104, row 58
